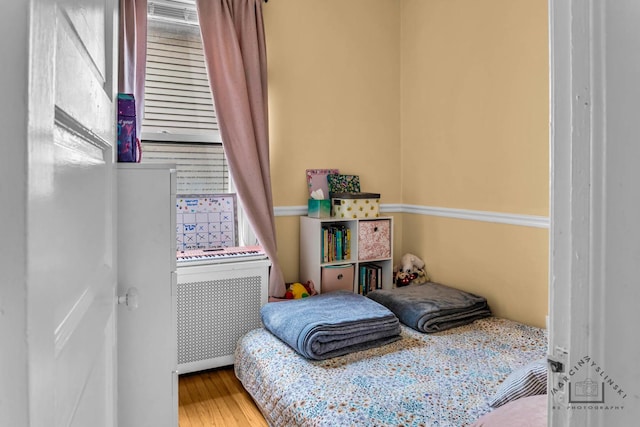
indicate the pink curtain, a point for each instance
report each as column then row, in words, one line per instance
column 132, row 50
column 235, row 53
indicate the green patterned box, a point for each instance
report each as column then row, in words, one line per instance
column 319, row 208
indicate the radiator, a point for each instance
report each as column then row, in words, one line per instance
column 216, row 305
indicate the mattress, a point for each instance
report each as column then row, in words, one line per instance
column 440, row 379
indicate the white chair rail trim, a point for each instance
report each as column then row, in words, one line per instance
column 472, row 215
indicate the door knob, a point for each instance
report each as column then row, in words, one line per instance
column 130, row 299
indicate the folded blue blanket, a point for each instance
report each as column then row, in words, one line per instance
column 331, row 324
column 432, row 307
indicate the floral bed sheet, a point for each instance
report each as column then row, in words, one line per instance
column 441, row 379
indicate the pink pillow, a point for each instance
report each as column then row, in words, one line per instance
column 524, row 412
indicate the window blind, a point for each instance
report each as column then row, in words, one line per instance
column 179, row 124
column 178, row 105
column 200, row 168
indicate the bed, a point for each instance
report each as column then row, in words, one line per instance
column 439, row 379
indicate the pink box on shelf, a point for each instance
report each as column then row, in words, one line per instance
column 337, row 278
column 374, row 239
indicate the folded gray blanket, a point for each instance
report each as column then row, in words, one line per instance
column 331, row 324
column 432, row 307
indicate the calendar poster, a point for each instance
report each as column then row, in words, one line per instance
column 206, row 221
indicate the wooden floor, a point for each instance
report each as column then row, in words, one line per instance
column 216, row 398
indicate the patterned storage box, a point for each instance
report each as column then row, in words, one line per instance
column 374, row 239
column 355, row 205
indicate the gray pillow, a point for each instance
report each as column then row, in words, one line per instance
column 530, row 380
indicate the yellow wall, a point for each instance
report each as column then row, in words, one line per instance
column 506, row 264
column 334, row 93
column 474, row 85
column 475, row 105
column 449, row 101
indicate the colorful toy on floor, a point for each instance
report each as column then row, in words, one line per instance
column 298, row 290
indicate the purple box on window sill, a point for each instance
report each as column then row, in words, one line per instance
column 128, row 143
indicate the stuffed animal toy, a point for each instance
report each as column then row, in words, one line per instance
column 411, row 263
column 298, row 290
column 412, row 271
column 404, row 279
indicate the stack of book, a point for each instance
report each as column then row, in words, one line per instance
column 336, row 243
column 369, row 278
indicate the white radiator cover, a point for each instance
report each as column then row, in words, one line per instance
column 216, row 305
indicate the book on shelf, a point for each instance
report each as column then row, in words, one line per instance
column 325, row 245
column 336, row 243
column 369, row 278
column 347, row 251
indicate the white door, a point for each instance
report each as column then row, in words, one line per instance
column 595, row 228
column 70, row 224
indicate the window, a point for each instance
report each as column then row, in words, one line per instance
column 177, row 97
column 179, row 124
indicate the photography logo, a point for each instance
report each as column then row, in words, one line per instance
column 587, row 391
column 585, row 384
